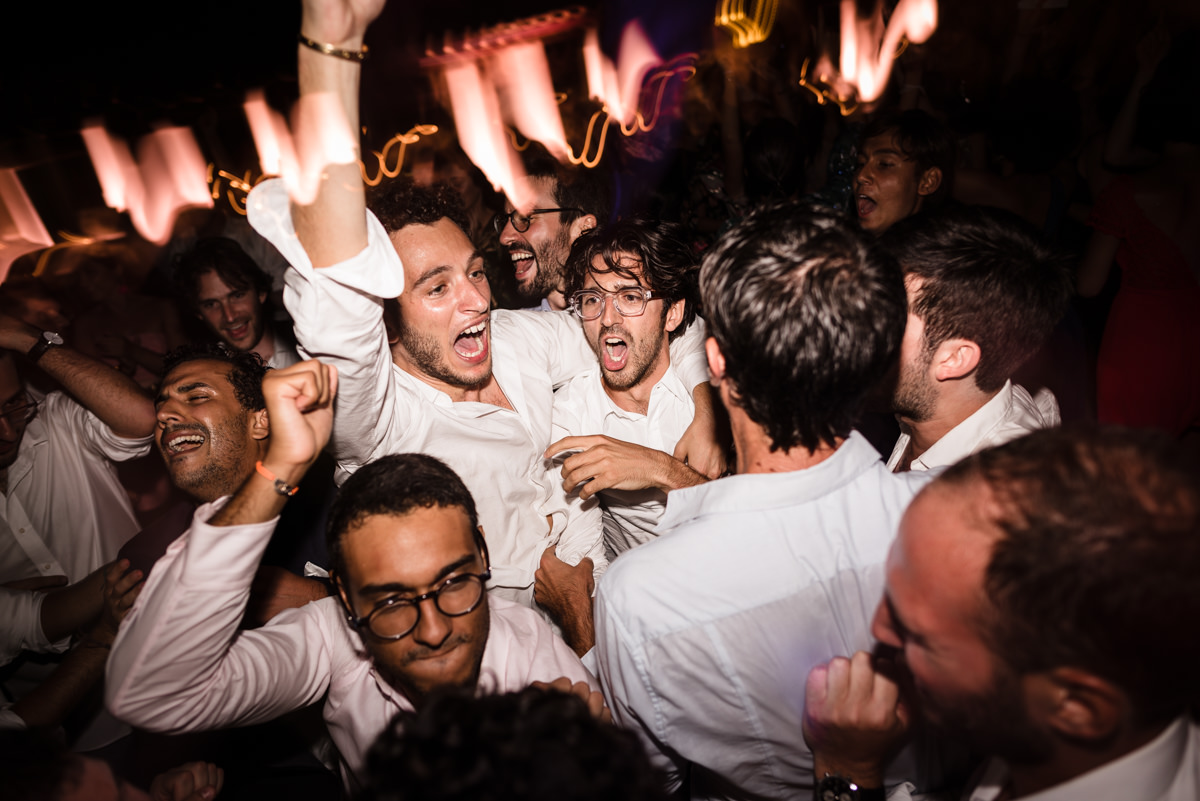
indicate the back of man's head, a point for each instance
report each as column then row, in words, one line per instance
column 395, row 485
column 402, row 202
column 984, row 277
column 808, row 316
column 246, row 369
column 575, row 187
column 223, row 256
column 667, row 263
column 532, row 745
column 1097, row 560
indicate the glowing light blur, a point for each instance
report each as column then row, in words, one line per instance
column 868, row 47
column 747, row 29
column 321, row 137
column 169, row 175
column 521, row 77
column 21, row 227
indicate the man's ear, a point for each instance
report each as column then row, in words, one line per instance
column 581, row 225
column 1077, row 704
column 260, row 425
column 716, row 361
column 674, row 315
column 339, row 589
column 955, row 358
column 930, row 181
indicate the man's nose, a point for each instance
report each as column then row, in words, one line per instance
column 433, row 627
column 608, row 312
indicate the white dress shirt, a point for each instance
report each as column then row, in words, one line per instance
column 583, row 408
column 180, row 664
column 1011, row 413
column 381, row 409
column 1165, row 769
column 704, row 636
column 21, row 612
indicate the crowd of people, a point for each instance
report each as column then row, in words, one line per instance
column 778, row 508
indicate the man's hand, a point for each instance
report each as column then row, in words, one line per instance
column 607, row 463
column 593, row 698
column 854, row 719
column 16, row 335
column 195, row 781
column 300, row 408
column 341, row 23
column 122, row 586
column 566, row 593
column 276, row 589
column 703, row 446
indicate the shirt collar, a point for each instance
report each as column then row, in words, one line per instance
column 963, row 438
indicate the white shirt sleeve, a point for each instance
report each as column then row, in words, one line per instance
column 179, row 662
column 21, row 612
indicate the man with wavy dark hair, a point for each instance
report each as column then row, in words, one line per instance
column 633, row 286
column 700, row 632
column 1043, row 596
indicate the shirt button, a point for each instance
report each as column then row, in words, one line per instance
column 21, row 530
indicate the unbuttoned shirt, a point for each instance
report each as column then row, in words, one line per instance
column 381, row 409
column 1165, row 769
column 583, row 408
column 180, row 664
column 704, row 636
column 1011, row 413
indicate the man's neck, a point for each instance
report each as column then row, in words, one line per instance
column 4, row 481
column 636, row 399
column 754, row 454
column 1070, row 762
column 266, row 344
column 557, row 300
column 952, row 409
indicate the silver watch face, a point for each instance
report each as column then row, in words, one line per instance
column 835, row 788
column 52, row 337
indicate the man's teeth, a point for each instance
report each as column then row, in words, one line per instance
column 478, row 328
column 192, row 439
column 521, row 255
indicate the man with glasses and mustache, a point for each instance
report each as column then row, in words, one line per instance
column 410, row 616
column 633, row 285
column 63, row 513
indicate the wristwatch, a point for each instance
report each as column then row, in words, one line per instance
column 49, row 340
column 839, row 788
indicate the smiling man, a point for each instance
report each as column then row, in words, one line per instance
column 411, row 616
column 225, row 289
column 905, row 166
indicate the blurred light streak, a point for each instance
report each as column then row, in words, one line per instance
column 21, row 227
column 168, row 176
column 827, row 87
column 320, row 136
column 411, row 137
column 868, row 47
column 747, row 29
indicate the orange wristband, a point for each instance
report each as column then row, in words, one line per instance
column 283, row 488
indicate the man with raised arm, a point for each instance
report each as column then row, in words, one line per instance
column 411, row 615
column 472, row 387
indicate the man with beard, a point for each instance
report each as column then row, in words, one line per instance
column 699, row 631
column 411, row 615
column 1042, row 598
column 484, row 411
column 569, row 201
column 225, row 288
column 632, row 284
column 983, row 295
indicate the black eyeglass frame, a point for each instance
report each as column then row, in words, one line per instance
column 28, row 409
column 363, row 624
column 647, row 296
column 504, row 218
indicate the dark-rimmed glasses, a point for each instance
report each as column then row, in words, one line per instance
column 629, row 302
column 521, row 222
column 396, row 617
column 16, row 415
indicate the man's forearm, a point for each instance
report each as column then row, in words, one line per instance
column 106, row 392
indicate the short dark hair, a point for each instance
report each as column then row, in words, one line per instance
column 808, row 315
column 985, row 277
column 396, row 485
column 246, row 369
column 669, row 266
column 1099, row 558
column 223, row 256
column 531, row 745
column 402, row 202
column 922, row 139
column 575, row 187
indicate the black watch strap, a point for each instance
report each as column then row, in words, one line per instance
column 839, row 788
column 48, row 340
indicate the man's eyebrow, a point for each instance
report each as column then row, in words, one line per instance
column 430, row 274
column 898, row 623
column 395, row 586
column 182, row 389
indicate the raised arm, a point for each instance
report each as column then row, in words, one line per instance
column 106, row 392
column 332, row 227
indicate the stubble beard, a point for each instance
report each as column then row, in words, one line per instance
column 550, row 258
column 426, row 354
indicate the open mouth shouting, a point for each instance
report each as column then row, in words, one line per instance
column 181, row 440
column 614, row 351
column 524, row 263
column 865, row 206
column 471, row 344
column 238, row 331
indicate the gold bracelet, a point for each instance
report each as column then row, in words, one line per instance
column 329, row 50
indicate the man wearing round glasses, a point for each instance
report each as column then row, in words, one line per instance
column 568, row 203
column 411, row 615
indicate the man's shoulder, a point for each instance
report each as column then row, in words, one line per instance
column 522, row 647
